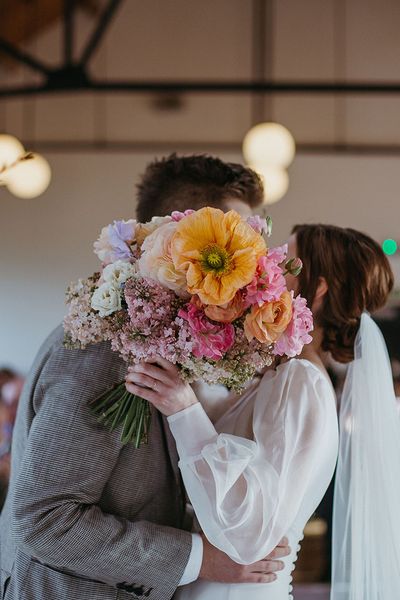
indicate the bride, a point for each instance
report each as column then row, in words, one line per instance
column 260, row 470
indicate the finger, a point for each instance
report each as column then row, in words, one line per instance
column 262, row 578
column 143, row 380
column 153, row 371
column 166, row 364
column 279, row 552
column 144, row 393
column 269, row 566
column 284, row 542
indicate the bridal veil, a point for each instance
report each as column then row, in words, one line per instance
column 366, row 517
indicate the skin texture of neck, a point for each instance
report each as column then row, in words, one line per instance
column 314, row 352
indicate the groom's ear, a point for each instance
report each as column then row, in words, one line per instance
column 320, row 293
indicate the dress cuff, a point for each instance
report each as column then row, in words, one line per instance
column 192, row 430
column 192, row 570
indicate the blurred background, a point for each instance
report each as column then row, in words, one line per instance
column 100, row 87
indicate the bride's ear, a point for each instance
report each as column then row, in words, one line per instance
column 319, row 294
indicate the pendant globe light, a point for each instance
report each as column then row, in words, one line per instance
column 25, row 174
column 10, row 150
column 275, row 181
column 269, row 144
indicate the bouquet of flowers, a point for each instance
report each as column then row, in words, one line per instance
column 201, row 289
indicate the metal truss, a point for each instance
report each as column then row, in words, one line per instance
column 74, row 76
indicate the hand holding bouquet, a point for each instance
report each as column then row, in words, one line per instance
column 199, row 289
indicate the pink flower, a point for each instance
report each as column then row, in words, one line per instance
column 297, row 333
column 268, row 283
column 177, row 215
column 278, row 254
column 210, row 340
column 259, row 224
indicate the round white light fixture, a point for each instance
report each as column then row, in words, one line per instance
column 29, row 177
column 275, row 180
column 10, row 150
column 269, row 144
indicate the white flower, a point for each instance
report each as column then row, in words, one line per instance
column 118, row 272
column 106, row 300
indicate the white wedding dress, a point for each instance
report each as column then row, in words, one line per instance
column 260, row 472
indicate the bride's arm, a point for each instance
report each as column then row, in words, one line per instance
column 246, row 494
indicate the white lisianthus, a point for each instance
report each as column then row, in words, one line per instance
column 106, row 300
column 118, row 272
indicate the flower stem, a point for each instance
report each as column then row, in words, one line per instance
column 118, row 407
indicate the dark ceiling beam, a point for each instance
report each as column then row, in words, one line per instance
column 69, row 7
column 195, row 87
column 95, row 39
column 23, row 57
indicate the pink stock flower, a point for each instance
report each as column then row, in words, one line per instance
column 297, row 333
column 259, row 224
column 269, row 283
column 278, row 254
column 177, row 215
column 210, row 340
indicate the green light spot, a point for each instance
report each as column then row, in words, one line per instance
column 389, row 247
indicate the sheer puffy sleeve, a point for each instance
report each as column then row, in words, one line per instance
column 247, row 493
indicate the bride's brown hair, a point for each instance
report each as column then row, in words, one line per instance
column 358, row 276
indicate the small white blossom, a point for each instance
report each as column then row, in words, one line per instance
column 118, row 273
column 106, row 300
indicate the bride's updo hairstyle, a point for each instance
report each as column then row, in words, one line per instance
column 358, row 275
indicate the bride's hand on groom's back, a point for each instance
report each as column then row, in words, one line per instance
column 160, row 383
column 217, row 566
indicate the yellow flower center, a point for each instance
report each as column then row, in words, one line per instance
column 215, row 259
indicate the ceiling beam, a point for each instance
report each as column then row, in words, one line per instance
column 197, row 87
column 98, row 33
column 23, row 57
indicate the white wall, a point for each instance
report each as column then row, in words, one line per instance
column 47, row 242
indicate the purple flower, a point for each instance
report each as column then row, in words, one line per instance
column 115, row 241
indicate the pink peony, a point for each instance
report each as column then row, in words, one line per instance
column 268, row 283
column 297, row 333
column 210, row 340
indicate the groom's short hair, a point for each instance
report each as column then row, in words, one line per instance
column 182, row 182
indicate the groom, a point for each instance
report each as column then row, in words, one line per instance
column 85, row 517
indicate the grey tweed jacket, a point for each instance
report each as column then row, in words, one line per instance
column 86, row 518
